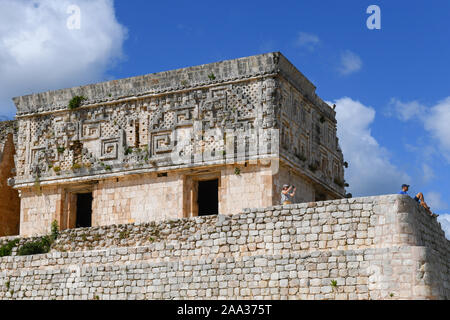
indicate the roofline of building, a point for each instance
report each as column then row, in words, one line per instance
column 174, row 80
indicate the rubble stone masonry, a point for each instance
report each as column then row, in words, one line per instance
column 384, row 247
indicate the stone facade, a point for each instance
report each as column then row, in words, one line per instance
column 252, row 123
column 9, row 198
column 384, row 247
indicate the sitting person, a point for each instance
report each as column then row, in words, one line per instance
column 285, row 195
column 419, row 198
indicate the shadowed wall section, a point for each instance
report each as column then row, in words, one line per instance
column 9, row 198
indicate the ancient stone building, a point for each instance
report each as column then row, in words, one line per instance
column 208, row 139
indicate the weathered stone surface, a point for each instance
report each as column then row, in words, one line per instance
column 178, row 264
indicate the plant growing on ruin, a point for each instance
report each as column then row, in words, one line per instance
column 124, row 234
column 6, row 249
column 75, row 102
column 128, row 151
column 54, row 230
column 211, row 76
column 76, row 166
column 237, row 171
column 8, row 284
column 57, row 169
column 184, row 83
column 108, row 167
column 41, row 245
column 60, row 149
column 333, row 283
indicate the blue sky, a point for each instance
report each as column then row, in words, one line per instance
column 391, row 86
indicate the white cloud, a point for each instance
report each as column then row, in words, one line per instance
column 434, row 200
column 428, row 173
column 350, row 63
column 370, row 171
column 307, row 40
column 435, row 119
column 437, row 122
column 406, row 110
column 38, row 52
column 444, row 220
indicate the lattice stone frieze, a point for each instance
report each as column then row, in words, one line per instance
column 134, row 132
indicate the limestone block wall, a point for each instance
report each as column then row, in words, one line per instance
column 137, row 199
column 38, row 208
column 360, row 248
column 251, row 188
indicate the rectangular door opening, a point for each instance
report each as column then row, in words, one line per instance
column 84, row 210
column 208, row 197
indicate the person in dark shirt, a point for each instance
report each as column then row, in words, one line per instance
column 419, row 198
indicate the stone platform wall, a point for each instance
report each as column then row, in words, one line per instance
column 363, row 248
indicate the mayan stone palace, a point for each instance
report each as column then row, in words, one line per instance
column 202, row 140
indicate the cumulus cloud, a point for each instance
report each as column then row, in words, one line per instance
column 435, row 119
column 405, row 110
column 444, row 220
column 39, row 52
column 428, row 173
column 437, row 122
column 350, row 62
column 434, row 200
column 370, row 171
column 306, row 40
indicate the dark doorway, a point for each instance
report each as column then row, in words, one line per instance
column 84, row 210
column 208, row 197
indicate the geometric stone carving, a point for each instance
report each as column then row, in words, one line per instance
column 90, row 130
column 109, row 149
column 161, row 143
